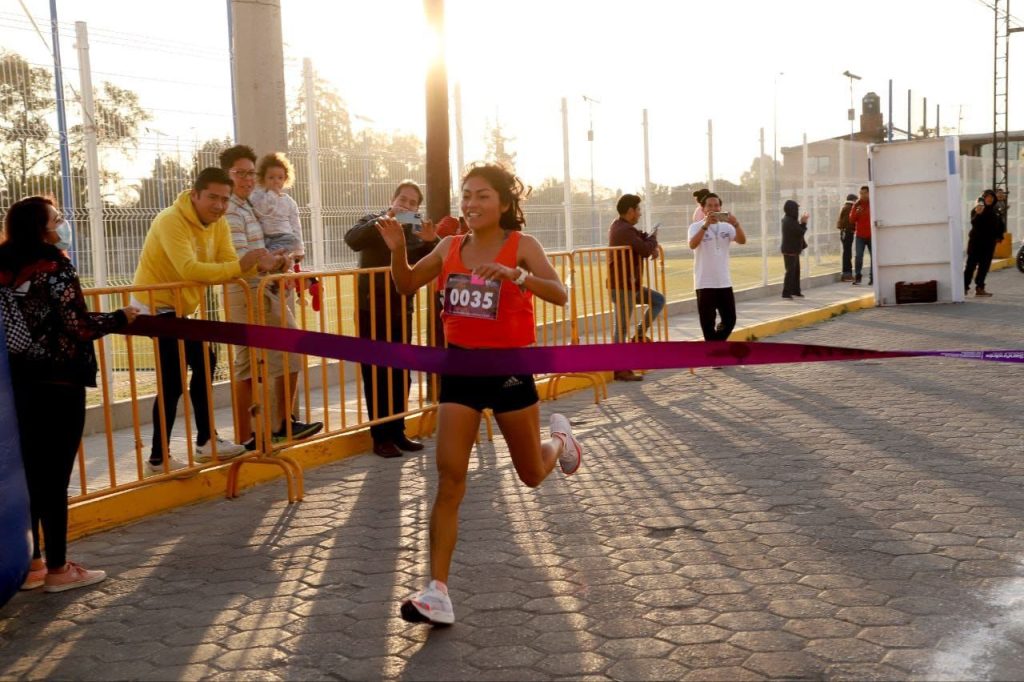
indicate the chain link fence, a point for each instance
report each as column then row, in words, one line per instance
column 151, row 133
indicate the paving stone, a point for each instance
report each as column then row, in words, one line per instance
column 692, row 634
column 846, row 534
column 646, row 669
column 784, row 665
column 846, row 650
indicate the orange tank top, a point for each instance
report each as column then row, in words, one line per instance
column 484, row 313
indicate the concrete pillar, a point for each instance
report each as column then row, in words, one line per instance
column 257, row 75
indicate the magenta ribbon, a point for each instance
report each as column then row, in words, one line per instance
column 532, row 360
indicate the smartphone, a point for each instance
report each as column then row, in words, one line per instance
column 721, row 215
column 654, row 230
column 409, row 218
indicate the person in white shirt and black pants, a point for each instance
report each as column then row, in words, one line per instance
column 710, row 240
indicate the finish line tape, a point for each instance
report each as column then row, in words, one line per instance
column 532, row 360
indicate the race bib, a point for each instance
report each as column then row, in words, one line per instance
column 471, row 296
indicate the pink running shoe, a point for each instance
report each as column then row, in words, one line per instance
column 35, row 578
column 572, row 451
column 73, row 576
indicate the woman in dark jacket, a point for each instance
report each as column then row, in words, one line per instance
column 986, row 231
column 793, row 243
column 50, row 377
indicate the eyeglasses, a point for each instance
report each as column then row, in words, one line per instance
column 248, row 175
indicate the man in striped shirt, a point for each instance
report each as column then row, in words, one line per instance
column 240, row 163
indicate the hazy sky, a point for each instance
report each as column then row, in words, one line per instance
column 684, row 61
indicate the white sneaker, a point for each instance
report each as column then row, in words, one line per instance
column 225, row 450
column 151, row 469
column 431, row 605
column 572, row 451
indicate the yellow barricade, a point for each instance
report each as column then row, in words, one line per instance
column 130, row 374
column 601, row 270
column 352, row 302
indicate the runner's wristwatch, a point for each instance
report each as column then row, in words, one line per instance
column 520, row 280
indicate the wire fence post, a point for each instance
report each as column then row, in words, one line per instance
column 764, row 217
column 803, row 200
column 711, row 158
column 647, row 177
column 566, row 177
column 92, row 165
column 316, row 217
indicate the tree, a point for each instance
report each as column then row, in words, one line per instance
column 30, row 154
column 498, row 146
column 26, row 99
column 334, row 126
column 751, row 179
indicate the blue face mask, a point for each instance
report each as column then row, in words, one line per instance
column 63, row 235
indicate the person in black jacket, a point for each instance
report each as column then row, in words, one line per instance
column 49, row 378
column 793, row 243
column 986, row 231
column 383, row 316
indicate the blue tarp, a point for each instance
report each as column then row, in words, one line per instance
column 15, row 536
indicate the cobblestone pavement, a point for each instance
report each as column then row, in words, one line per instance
column 859, row 520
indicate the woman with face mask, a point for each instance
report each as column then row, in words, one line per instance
column 50, row 377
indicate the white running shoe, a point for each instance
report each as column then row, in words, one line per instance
column 173, row 464
column 225, row 450
column 431, row 605
column 572, row 451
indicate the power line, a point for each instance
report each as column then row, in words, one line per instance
column 989, row 5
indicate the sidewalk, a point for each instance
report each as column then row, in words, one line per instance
column 851, row 520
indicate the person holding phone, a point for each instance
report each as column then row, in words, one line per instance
column 986, row 231
column 793, row 243
column 710, row 239
column 490, row 277
column 383, row 315
column 626, row 277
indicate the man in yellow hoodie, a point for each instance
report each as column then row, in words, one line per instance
column 190, row 241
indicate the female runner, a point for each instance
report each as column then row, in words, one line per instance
column 490, row 277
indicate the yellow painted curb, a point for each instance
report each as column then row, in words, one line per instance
column 790, row 322
column 1003, row 263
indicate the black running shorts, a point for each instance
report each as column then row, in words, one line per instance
column 506, row 393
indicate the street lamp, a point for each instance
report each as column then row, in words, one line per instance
column 590, row 139
column 850, row 113
column 775, row 146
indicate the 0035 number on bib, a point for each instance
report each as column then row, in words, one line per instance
column 471, row 296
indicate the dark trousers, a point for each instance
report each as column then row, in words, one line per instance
column 858, row 262
column 50, row 422
column 791, row 284
column 846, row 237
column 979, row 257
column 720, row 303
column 390, row 385
column 170, row 370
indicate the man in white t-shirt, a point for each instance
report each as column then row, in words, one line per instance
column 710, row 239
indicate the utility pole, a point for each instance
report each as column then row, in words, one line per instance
column 590, row 138
column 439, row 175
column 1001, row 93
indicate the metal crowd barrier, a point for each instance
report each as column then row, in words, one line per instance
column 331, row 391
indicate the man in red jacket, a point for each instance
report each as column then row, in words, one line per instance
column 860, row 216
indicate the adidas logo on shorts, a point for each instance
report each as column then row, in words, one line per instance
column 512, row 382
